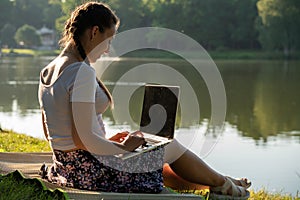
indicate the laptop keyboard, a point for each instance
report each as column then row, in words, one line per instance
column 151, row 141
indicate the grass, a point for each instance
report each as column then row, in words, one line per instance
column 15, row 186
column 29, row 52
column 15, row 142
column 264, row 195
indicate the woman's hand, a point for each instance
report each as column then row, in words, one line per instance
column 119, row 137
column 133, row 141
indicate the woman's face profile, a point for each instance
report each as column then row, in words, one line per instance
column 102, row 43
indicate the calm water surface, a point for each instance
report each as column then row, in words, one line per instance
column 261, row 135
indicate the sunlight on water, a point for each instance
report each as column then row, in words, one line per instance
column 273, row 165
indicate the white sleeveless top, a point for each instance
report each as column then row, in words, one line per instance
column 77, row 83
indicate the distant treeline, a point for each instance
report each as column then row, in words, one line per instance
column 216, row 24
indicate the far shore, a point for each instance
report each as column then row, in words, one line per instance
column 153, row 53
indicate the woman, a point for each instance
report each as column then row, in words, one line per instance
column 72, row 100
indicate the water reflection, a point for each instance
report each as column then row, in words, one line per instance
column 263, row 97
column 18, row 82
column 277, row 99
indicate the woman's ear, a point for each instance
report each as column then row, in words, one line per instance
column 94, row 31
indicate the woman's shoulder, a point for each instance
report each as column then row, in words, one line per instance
column 82, row 66
column 80, row 72
column 67, row 74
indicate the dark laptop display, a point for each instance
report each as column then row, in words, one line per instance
column 165, row 96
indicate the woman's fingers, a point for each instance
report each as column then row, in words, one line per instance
column 133, row 141
column 137, row 134
column 119, row 137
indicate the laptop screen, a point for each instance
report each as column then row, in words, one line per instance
column 159, row 110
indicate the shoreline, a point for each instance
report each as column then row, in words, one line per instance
column 160, row 54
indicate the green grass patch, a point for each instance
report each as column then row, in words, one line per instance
column 254, row 195
column 15, row 186
column 204, row 194
column 16, row 142
column 29, row 52
column 18, row 51
column 265, row 195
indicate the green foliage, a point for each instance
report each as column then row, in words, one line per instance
column 215, row 24
column 66, row 8
column 243, row 33
column 6, row 35
column 14, row 142
column 15, row 186
column 5, row 12
column 60, row 23
column 51, row 13
column 135, row 15
column 264, row 195
column 203, row 194
column 27, row 35
column 279, row 24
column 261, row 194
column 28, row 12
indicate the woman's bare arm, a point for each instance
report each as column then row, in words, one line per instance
column 44, row 126
column 86, row 133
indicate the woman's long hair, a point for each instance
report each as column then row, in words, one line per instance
column 83, row 17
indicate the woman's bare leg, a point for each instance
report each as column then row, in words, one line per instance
column 172, row 180
column 190, row 167
column 193, row 169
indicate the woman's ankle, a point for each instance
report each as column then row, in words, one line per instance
column 219, row 181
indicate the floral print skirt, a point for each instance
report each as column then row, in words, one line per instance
column 83, row 170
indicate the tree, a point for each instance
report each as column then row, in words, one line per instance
column 132, row 13
column 279, row 24
column 7, row 33
column 215, row 24
column 28, row 12
column 244, row 33
column 51, row 13
column 26, row 35
column 66, row 7
column 5, row 12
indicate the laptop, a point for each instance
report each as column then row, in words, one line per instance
column 158, row 117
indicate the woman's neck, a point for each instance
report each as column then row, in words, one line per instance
column 71, row 52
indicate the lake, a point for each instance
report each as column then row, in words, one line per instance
column 260, row 138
